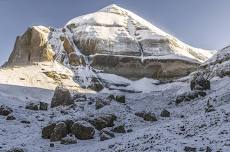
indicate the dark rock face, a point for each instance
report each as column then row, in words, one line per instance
column 103, row 121
column 61, row 96
column 5, row 110
column 134, row 68
column 165, row 113
column 83, row 130
column 59, row 131
column 31, row 47
column 147, row 116
column 199, row 83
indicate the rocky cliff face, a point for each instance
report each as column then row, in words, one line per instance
column 32, row 46
column 112, row 40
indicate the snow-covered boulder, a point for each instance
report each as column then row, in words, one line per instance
column 83, row 130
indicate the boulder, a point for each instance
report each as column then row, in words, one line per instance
column 120, row 99
column 74, row 59
column 106, row 134
column 199, row 83
column 62, row 97
column 188, row 96
column 32, row 106
column 68, row 140
column 83, row 130
column 5, row 110
column 32, row 46
column 189, row 149
column 43, row 106
column 165, row 113
column 59, row 131
column 48, row 130
column 10, row 117
column 95, row 84
column 104, row 121
column 111, row 97
column 100, row 104
column 147, row 116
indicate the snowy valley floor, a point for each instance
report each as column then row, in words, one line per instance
column 189, row 124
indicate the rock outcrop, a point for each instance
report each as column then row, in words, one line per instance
column 62, row 97
column 32, row 46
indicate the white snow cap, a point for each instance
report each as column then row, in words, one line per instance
column 113, row 22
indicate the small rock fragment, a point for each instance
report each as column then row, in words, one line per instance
column 165, row 113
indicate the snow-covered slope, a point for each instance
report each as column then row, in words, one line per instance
column 119, row 31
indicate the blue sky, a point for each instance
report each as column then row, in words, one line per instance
column 200, row 23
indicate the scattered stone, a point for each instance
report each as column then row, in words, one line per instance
column 130, row 130
column 106, row 134
column 47, row 131
column 199, row 83
column 190, row 95
column 189, row 149
column 83, row 130
column 43, row 106
column 111, row 97
column 56, row 76
column 5, row 110
column 119, row 129
column 209, row 108
column 208, row 149
column 104, row 121
column 100, row 104
column 32, row 106
column 15, row 150
column 95, row 84
column 165, row 113
column 146, row 116
column 120, row 99
column 68, row 140
column 61, row 96
column 25, row 121
column 51, row 144
column 59, row 131
column 202, row 93
column 10, row 117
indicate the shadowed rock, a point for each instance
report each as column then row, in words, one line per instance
column 62, row 97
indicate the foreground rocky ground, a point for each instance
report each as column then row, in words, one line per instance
column 117, row 121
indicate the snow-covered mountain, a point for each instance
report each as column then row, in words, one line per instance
column 112, row 40
column 111, row 81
